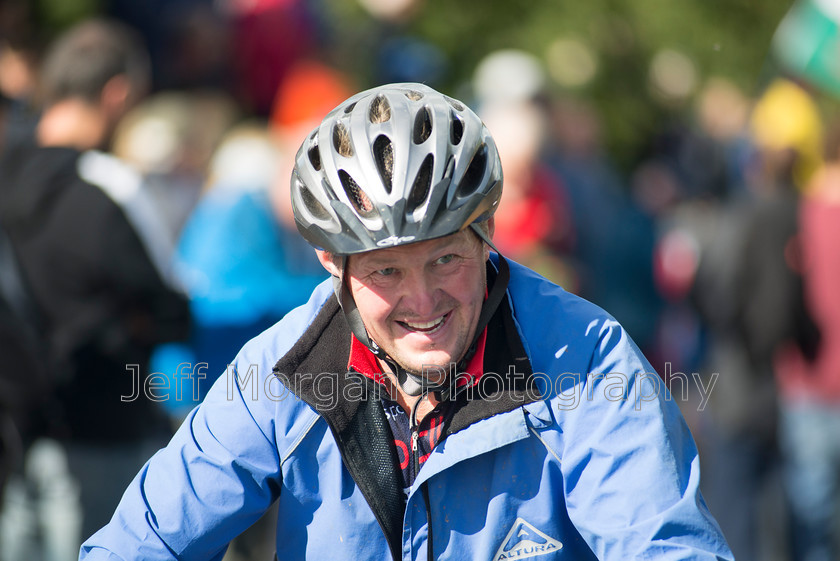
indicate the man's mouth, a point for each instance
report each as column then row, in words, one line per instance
column 426, row 327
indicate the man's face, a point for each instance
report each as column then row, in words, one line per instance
column 420, row 302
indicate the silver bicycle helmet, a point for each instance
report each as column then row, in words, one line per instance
column 396, row 164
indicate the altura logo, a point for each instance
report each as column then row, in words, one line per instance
column 394, row 240
column 524, row 541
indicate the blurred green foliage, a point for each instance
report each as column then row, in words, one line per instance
column 725, row 38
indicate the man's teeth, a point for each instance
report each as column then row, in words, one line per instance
column 425, row 326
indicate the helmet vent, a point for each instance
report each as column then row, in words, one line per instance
column 315, row 157
column 349, row 108
column 422, row 185
column 414, row 95
column 456, row 131
column 475, row 173
column 341, row 140
column 380, row 110
column 383, row 154
column 360, row 200
column 312, row 204
column 455, row 104
column 422, row 126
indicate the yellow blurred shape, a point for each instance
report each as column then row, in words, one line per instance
column 786, row 117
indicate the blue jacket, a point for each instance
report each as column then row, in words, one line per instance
column 592, row 460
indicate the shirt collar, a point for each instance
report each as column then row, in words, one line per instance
column 363, row 361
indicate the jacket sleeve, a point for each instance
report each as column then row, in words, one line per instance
column 219, row 473
column 630, row 466
column 222, row 469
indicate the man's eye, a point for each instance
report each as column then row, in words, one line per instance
column 445, row 259
column 386, row 272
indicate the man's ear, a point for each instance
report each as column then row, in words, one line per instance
column 326, row 259
column 491, row 229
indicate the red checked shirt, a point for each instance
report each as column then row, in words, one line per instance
column 413, row 447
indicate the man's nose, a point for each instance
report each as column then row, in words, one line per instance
column 419, row 293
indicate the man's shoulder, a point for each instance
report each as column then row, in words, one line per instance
column 278, row 363
column 534, row 296
column 42, row 189
column 29, row 169
column 562, row 331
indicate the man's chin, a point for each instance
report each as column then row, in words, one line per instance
column 428, row 364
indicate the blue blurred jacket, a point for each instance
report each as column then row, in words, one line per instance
column 243, row 272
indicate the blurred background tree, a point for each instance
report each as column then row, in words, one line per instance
column 640, row 61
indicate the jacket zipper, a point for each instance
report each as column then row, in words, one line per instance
column 415, row 456
column 415, row 436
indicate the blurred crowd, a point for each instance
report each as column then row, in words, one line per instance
column 145, row 155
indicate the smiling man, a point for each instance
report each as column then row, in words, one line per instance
column 415, row 407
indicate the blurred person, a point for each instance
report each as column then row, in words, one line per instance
column 785, row 126
column 100, row 293
column 17, row 81
column 169, row 139
column 595, row 191
column 534, row 222
column 737, row 431
column 509, row 76
column 722, row 111
column 698, row 262
column 242, row 268
column 749, row 291
column 706, row 241
column 19, row 52
column 613, row 271
column 809, row 375
column 395, row 51
column 413, row 407
column 656, row 260
column 23, row 379
column 690, row 171
column 383, row 44
column 189, row 41
column 238, row 255
column 194, row 38
column 268, row 37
